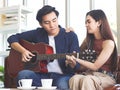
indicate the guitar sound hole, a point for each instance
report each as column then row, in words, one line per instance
column 32, row 63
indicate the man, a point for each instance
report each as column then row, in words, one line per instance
column 53, row 34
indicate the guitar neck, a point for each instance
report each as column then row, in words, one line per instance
column 54, row 56
column 87, row 55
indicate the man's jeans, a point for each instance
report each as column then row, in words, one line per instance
column 59, row 80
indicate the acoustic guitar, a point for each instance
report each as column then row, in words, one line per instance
column 43, row 54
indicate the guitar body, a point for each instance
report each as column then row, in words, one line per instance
column 43, row 54
column 15, row 63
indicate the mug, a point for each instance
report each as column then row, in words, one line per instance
column 46, row 82
column 25, row 82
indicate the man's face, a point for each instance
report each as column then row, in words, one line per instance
column 50, row 24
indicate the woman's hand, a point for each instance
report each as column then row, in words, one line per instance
column 71, row 60
column 69, row 29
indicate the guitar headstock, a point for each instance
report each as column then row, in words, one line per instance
column 89, row 55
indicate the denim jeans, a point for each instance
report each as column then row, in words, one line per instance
column 59, row 80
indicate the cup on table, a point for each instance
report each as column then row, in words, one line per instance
column 25, row 83
column 46, row 82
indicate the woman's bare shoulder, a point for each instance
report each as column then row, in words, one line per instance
column 108, row 43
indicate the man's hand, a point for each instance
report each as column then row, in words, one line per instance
column 26, row 56
column 71, row 60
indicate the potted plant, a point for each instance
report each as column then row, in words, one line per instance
column 1, row 76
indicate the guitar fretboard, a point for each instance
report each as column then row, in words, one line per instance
column 85, row 55
column 55, row 56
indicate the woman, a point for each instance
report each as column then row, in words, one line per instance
column 98, row 74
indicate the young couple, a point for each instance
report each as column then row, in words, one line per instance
column 62, row 70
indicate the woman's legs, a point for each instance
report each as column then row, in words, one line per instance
column 90, row 82
column 81, row 82
column 74, row 82
column 97, row 81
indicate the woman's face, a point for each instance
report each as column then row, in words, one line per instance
column 92, row 26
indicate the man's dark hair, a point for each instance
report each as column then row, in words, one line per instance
column 45, row 10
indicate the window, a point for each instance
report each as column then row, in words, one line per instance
column 110, row 10
column 60, row 6
column 70, row 15
column 14, row 2
column 78, row 11
column 32, row 23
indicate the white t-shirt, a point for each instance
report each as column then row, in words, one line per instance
column 53, row 66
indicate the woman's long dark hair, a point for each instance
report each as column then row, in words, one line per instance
column 99, row 15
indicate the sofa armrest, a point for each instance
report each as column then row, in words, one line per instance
column 118, row 71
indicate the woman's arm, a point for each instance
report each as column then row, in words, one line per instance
column 108, row 47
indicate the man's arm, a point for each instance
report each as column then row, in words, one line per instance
column 26, row 54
